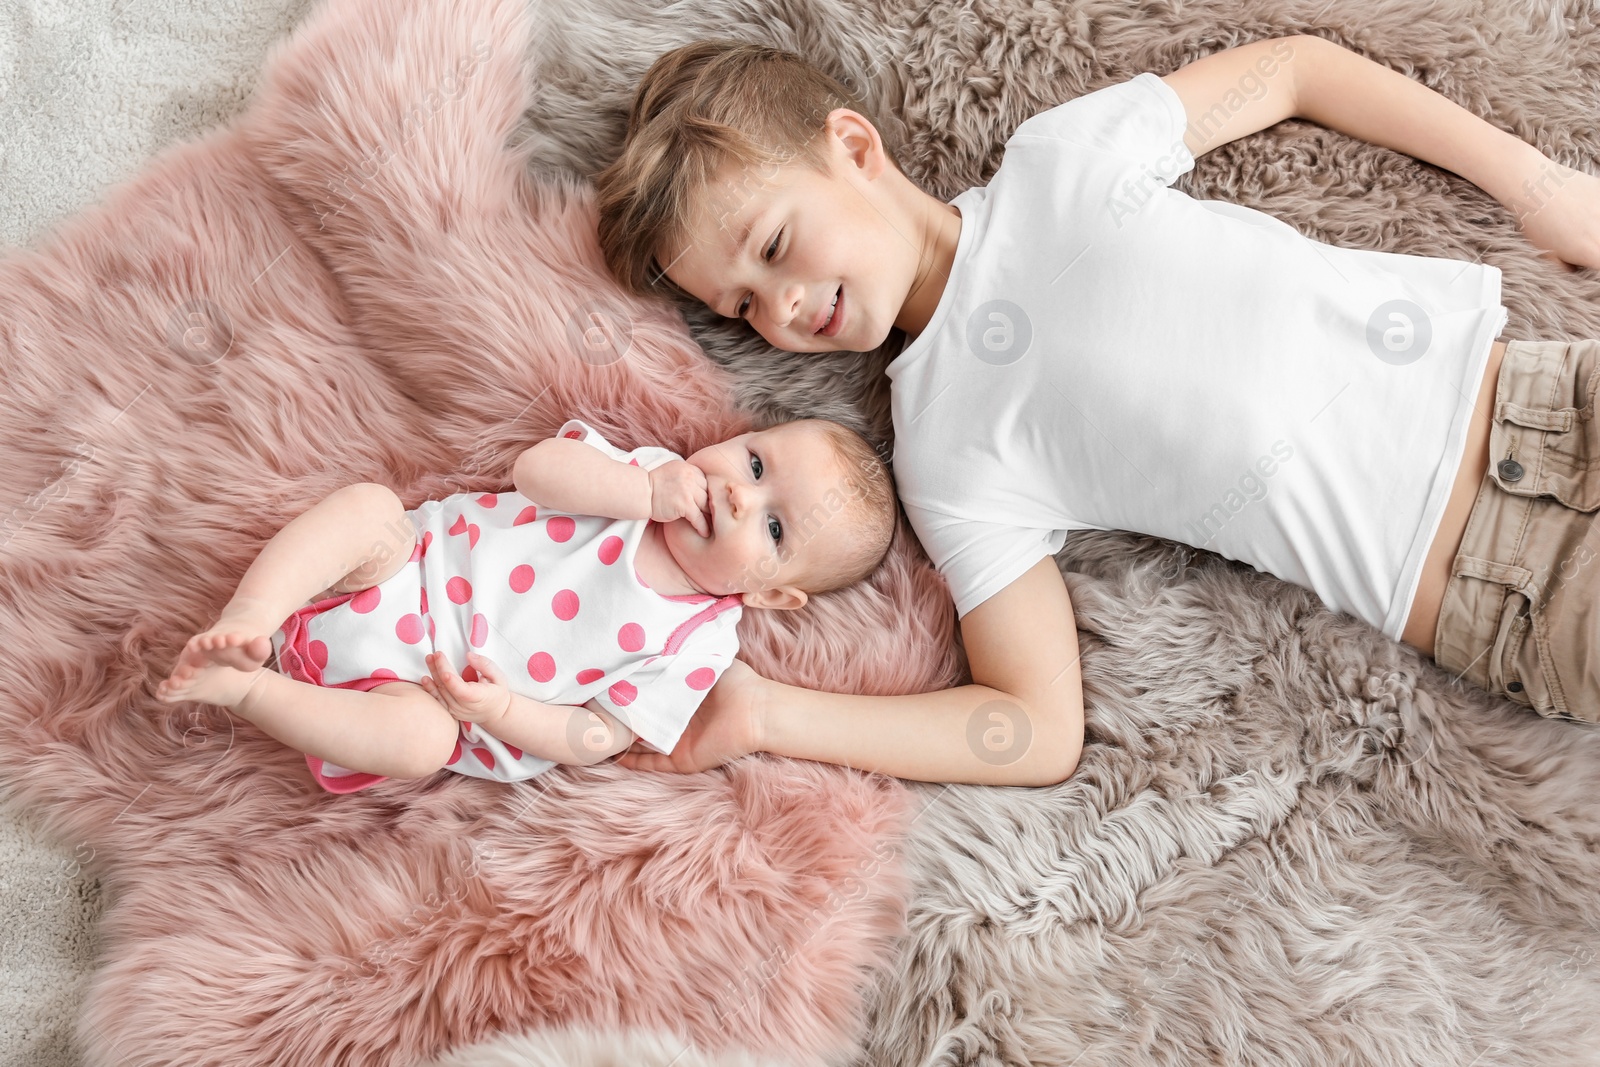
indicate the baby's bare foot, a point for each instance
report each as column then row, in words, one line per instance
column 211, row 683
column 238, row 639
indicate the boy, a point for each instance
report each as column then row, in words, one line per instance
column 595, row 604
column 1092, row 349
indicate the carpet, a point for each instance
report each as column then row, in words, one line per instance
column 1290, row 839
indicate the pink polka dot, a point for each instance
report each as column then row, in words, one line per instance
column 365, row 600
column 456, row 754
column 631, row 637
column 427, row 539
column 622, row 693
column 386, row 673
column 565, row 605
column 521, row 578
column 485, row 757
column 416, row 552
column 633, row 462
column 430, row 628
column 516, row 753
column 480, row 633
column 651, row 660
column 409, row 629
column 526, row 515
column 472, row 535
column 488, row 500
column 573, row 434
column 458, row 589
column 424, row 601
column 610, row 549
column 590, row 675
column 541, row 666
column 701, row 678
column 460, row 525
column 319, row 654
column 469, row 673
column 560, row 528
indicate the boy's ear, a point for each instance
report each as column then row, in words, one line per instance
column 860, row 141
column 781, row 597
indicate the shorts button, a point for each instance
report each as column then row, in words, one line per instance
column 1515, row 687
column 1510, row 470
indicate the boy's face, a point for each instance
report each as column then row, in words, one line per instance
column 811, row 237
column 774, row 505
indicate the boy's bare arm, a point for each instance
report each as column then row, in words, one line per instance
column 560, row 732
column 1019, row 723
column 1234, row 93
column 571, row 476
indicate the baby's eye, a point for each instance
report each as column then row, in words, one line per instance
column 775, row 528
column 755, row 465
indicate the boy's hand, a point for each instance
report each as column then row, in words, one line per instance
column 678, row 491
column 726, row 726
column 485, row 700
column 1560, row 212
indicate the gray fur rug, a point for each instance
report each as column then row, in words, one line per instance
column 1291, row 839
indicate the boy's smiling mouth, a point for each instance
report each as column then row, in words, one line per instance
column 830, row 315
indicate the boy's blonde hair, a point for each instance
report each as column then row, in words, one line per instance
column 695, row 109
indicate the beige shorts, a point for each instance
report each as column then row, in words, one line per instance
column 1521, row 613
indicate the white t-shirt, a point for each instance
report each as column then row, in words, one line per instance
column 1110, row 353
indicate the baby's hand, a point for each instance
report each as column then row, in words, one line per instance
column 484, row 701
column 678, row 491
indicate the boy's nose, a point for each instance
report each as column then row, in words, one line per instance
column 789, row 305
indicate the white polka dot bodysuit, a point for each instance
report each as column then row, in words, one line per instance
column 551, row 598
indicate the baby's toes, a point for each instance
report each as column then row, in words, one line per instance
column 194, row 654
column 241, row 652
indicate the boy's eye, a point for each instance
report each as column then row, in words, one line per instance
column 772, row 250
column 755, row 465
column 775, row 528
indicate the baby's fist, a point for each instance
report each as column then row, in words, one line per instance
column 678, row 491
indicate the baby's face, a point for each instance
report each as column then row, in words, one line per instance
column 775, row 506
column 810, row 238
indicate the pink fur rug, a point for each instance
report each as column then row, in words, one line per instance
column 358, row 280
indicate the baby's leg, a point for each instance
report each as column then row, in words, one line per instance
column 396, row 730
column 355, row 537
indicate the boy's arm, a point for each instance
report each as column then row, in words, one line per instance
column 1019, row 723
column 575, row 477
column 1234, row 93
column 561, row 732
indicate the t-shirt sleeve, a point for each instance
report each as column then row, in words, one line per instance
column 647, row 456
column 978, row 559
column 658, row 698
column 1139, row 122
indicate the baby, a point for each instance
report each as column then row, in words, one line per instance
column 608, row 579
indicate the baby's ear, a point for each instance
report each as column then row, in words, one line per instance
column 781, row 598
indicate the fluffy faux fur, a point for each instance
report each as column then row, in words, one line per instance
column 1290, row 840
column 359, row 279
